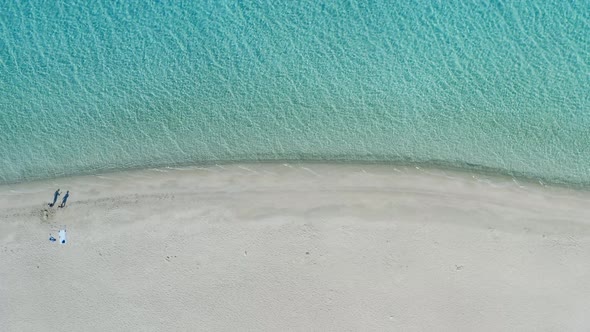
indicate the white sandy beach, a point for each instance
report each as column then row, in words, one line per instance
column 294, row 247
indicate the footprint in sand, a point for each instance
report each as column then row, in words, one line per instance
column 44, row 215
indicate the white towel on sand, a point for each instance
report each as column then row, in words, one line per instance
column 62, row 236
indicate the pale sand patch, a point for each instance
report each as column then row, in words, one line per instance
column 294, row 247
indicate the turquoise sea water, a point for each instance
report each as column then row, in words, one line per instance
column 89, row 86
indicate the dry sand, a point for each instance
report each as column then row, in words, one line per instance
column 294, row 247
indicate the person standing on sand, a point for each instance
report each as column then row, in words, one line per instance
column 55, row 196
column 65, row 199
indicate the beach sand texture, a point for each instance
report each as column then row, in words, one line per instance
column 294, row 247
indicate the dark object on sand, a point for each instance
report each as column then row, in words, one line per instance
column 55, row 196
column 65, row 199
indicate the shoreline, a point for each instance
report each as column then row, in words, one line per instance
column 476, row 171
column 275, row 247
column 463, row 168
column 493, row 180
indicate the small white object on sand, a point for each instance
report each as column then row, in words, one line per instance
column 62, row 236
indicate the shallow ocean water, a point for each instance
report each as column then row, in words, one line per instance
column 489, row 85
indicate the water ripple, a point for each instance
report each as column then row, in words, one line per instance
column 92, row 87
